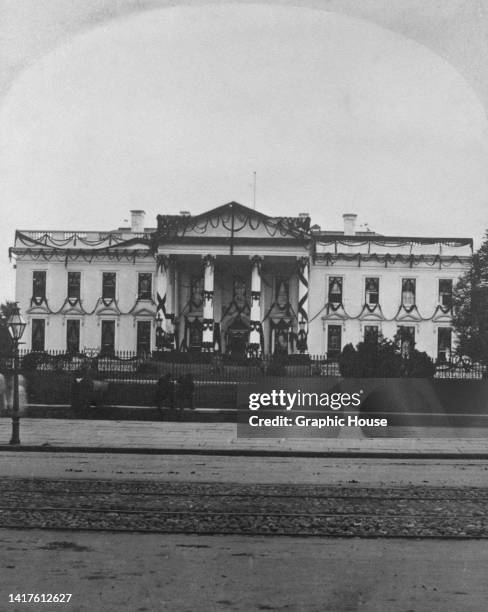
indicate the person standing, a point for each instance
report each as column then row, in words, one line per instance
column 164, row 393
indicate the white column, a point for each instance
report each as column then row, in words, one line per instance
column 302, row 339
column 170, row 303
column 208, row 296
column 162, row 267
column 176, row 304
column 255, row 322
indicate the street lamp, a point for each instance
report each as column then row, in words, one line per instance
column 16, row 326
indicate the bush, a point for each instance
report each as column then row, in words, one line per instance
column 299, row 359
column 382, row 359
column 31, row 361
column 348, row 361
column 148, row 367
column 419, row 365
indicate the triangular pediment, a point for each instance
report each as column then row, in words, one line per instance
column 231, row 220
column 403, row 315
column 371, row 313
column 143, row 311
column 38, row 310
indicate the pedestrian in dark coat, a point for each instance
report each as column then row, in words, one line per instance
column 184, row 393
column 164, row 395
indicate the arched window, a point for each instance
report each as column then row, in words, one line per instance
column 335, row 290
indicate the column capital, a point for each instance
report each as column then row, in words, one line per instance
column 208, row 259
column 162, row 261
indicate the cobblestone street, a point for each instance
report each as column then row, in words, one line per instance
column 252, row 509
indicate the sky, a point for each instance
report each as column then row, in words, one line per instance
column 108, row 107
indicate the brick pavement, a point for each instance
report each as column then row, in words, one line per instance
column 221, row 438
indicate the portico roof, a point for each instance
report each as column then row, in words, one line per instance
column 232, row 227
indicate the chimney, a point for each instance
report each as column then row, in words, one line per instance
column 137, row 221
column 349, row 224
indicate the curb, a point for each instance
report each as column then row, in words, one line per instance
column 46, row 448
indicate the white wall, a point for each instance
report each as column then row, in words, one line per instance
column 390, row 283
column 427, row 280
column 91, row 291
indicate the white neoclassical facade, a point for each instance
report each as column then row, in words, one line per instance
column 236, row 281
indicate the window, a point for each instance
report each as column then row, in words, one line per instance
column 406, row 339
column 73, row 336
column 74, row 285
column 371, row 333
column 445, row 292
column 39, row 285
column 334, row 341
column 444, row 339
column 108, row 286
column 408, row 292
column 372, row 290
column 144, row 286
column 335, row 290
column 38, row 334
column 143, row 337
column 108, row 338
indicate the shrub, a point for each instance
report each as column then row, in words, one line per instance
column 31, row 361
column 382, row 359
column 419, row 365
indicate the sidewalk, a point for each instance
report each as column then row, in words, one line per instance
column 221, row 439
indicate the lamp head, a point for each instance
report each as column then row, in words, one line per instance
column 16, row 323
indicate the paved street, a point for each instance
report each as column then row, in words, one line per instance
column 109, row 572
column 152, row 573
column 247, row 470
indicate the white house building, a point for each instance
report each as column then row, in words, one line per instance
column 236, row 281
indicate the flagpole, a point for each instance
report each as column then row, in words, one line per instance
column 254, row 191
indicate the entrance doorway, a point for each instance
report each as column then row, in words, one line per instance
column 237, row 338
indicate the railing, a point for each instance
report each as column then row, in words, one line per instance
column 204, row 365
column 130, row 379
column 50, row 236
column 129, row 364
column 460, row 367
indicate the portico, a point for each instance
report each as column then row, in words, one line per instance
column 234, row 281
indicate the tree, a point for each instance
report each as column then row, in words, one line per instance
column 470, row 302
column 5, row 339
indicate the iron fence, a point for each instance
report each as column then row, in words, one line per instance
column 126, row 364
column 130, row 379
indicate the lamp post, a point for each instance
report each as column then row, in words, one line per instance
column 16, row 326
